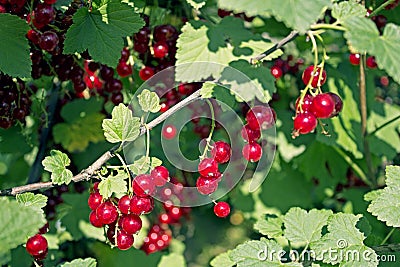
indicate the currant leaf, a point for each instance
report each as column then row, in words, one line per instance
column 155, row 162
column 149, row 101
column 206, row 91
column 14, row 47
column 56, row 163
column 122, row 127
column 344, row 10
column 269, row 226
column 196, row 4
column 223, row 260
column 172, row 260
column 140, row 165
column 113, row 184
column 250, row 8
column 102, row 29
column 35, row 201
column 88, row 262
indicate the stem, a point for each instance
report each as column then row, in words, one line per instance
column 211, row 131
column 378, row 9
column 278, row 45
column 126, row 169
column 383, row 126
column 89, row 172
column 327, row 26
column 147, row 146
column 388, row 236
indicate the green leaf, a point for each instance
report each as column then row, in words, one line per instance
column 113, row 184
column 155, row 162
column 88, row 262
column 302, row 227
column 149, row 101
column 222, row 260
column 344, row 238
column 363, row 35
column 347, row 9
column 14, row 47
column 385, row 202
column 250, row 7
column 196, row 4
column 17, row 222
column 62, row 4
column 101, row 30
column 80, row 108
column 269, row 226
column 122, row 127
column 35, row 201
column 297, row 14
column 206, row 91
column 140, row 165
column 89, row 231
column 172, row 260
column 75, row 136
column 56, row 164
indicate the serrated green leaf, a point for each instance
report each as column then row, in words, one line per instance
column 172, row 260
column 89, row 231
column 385, row 202
column 269, row 226
column 206, row 91
column 347, row 9
column 297, row 14
column 122, row 127
column 76, row 135
column 101, row 30
column 36, row 201
column 249, row 7
column 14, row 47
column 344, row 238
column 302, row 227
column 88, row 262
column 370, row 196
column 196, row 4
column 80, row 108
column 5, row 257
column 155, row 162
column 18, row 222
column 113, row 184
column 56, row 164
column 149, row 101
column 222, row 260
column 140, row 165
column 363, row 35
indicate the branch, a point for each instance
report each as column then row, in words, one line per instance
column 89, row 172
column 278, row 45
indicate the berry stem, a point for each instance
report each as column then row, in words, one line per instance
column 127, row 171
column 381, row 7
column 147, row 145
column 327, row 26
column 207, row 147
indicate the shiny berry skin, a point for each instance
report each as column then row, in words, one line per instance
column 160, row 175
column 124, row 240
column 141, row 205
column 252, row 152
column 43, row 15
column 208, row 167
column 164, row 32
column 276, row 72
column 130, row 223
column 169, row 132
column 260, row 117
column 113, row 85
column 125, row 53
column 107, row 212
column 48, row 41
column 323, row 106
column 124, row 204
column 222, row 209
column 146, row 73
column 160, row 50
column 124, row 69
column 164, row 106
column 37, row 245
column 206, row 185
column 306, row 105
column 94, row 200
column 249, row 134
column 94, row 220
column 33, row 36
column 221, row 152
column 354, row 59
column 371, row 63
column 304, row 123
column 338, row 104
column 143, row 185
column 309, row 71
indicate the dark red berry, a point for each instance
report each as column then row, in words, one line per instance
column 146, row 73
column 260, row 117
column 141, row 205
column 143, row 185
column 249, row 134
column 94, row 200
column 354, row 59
column 323, row 106
column 371, row 63
column 206, row 185
column 130, row 223
column 252, row 152
column 160, row 175
column 310, row 72
column 222, row 209
column 160, row 50
column 124, row 204
column 221, row 152
column 276, row 72
column 124, row 69
column 338, row 104
column 107, row 212
column 208, row 167
column 48, row 41
column 305, row 105
column 169, row 132
column 124, row 240
column 37, row 245
column 304, row 123
column 94, row 220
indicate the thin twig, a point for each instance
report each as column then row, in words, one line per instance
column 89, row 172
column 381, row 7
column 278, row 45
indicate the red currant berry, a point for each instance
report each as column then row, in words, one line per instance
column 141, row 205
column 221, row 152
column 124, row 69
column 124, row 240
column 338, row 104
column 169, row 132
column 208, row 167
column 96, row 187
column 143, row 185
column 37, row 245
column 160, row 175
column 252, row 152
column 164, row 106
column 323, row 106
column 304, row 123
column 354, row 59
column 310, row 72
column 206, row 185
column 260, row 117
column 107, row 212
column 130, row 223
column 222, row 209
column 146, row 73
column 125, row 53
column 249, row 134
column 276, row 72
column 371, row 63
column 124, row 204
column 94, row 200
column 160, row 50
column 306, row 104
column 94, row 220
column 165, row 218
column 48, row 41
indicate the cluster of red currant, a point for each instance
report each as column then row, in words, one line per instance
column 258, row 118
column 290, row 65
column 158, row 238
column 309, row 107
column 355, row 58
